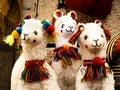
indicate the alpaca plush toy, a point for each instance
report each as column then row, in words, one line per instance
column 66, row 58
column 31, row 71
column 94, row 74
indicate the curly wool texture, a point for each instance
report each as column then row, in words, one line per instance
column 94, row 73
column 31, row 71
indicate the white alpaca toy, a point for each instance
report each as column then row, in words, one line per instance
column 66, row 58
column 94, row 74
column 31, row 71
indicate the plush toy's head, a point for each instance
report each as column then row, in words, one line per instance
column 65, row 25
column 30, row 31
column 93, row 36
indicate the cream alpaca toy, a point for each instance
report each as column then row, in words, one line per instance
column 66, row 58
column 31, row 71
column 94, row 74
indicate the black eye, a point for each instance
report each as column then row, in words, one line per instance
column 62, row 25
column 35, row 32
column 101, row 35
column 85, row 37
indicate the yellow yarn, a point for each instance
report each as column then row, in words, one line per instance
column 51, row 38
column 10, row 38
column 15, row 34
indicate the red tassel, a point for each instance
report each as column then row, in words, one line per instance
column 96, row 69
column 74, row 37
column 34, row 71
column 43, row 73
column 89, row 73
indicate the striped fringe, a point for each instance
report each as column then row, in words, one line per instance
column 34, row 71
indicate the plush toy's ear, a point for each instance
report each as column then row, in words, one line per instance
column 106, row 31
column 98, row 22
column 57, row 14
column 73, row 15
column 28, row 16
column 76, row 35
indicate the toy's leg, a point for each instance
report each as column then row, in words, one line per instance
column 108, row 83
column 81, row 85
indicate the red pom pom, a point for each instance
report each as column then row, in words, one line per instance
column 50, row 29
column 97, row 61
column 118, row 46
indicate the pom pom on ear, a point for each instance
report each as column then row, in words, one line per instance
column 15, row 34
column 10, row 38
column 45, row 24
column 50, row 29
column 19, row 30
column 21, row 24
column 118, row 46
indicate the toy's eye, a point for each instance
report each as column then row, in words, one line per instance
column 62, row 25
column 101, row 35
column 85, row 37
column 35, row 32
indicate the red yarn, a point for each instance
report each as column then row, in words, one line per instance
column 50, row 29
column 28, row 16
column 97, row 61
column 118, row 46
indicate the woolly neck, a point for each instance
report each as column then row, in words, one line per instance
column 36, row 52
column 61, row 41
column 87, row 55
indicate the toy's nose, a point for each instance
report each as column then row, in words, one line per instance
column 25, row 37
column 96, row 43
column 70, row 29
column 96, row 40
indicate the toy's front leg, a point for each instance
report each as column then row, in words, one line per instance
column 16, row 73
column 81, row 85
column 108, row 83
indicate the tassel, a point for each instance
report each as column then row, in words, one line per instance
column 66, row 60
column 96, row 69
column 88, row 75
column 76, row 35
column 65, row 54
column 34, row 71
column 74, row 52
column 43, row 73
column 10, row 38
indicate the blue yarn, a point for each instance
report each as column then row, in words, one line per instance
column 46, row 24
column 19, row 30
